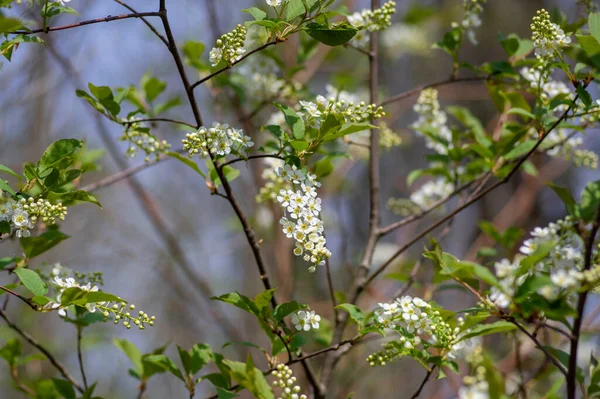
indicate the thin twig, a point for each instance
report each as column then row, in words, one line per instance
column 235, row 160
column 159, row 120
column 576, row 331
column 58, row 365
column 419, row 89
column 145, row 21
column 21, row 297
column 427, row 376
column 88, row 22
column 229, row 66
column 80, row 356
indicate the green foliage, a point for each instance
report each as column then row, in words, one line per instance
column 331, row 35
column 250, row 378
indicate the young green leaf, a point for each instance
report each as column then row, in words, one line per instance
column 334, row 35
column 32, row 281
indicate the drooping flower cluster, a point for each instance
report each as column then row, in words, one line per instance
column 342, row 105
column 139, row 138
column 471, row 19
column 432, row 122
column 70, row 282
column 419, row 325
column 561, row 144
column 285, row 380
column 229, row 47
column 216, row 140
column 563, row 264
column 305, row 319
column 371, row 21
column 388, row 139
column 260, row 78
column 547, row 36
column 273, row 182
column 24, row 213
column 545, row 87
column 302, row 208
column 122, row 312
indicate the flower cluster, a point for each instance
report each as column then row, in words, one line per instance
column 274, row 3
column 563, row 264
column 371, row 21
column 402, row 39
column 217, row 140
column 419, row 325
column 24, row 213
column 388, row 139
column 561, row 144
column 432, row 122
column 431, row 192
column 70, row 282
column 545, row 87
column 471, row 19
column 305, row 319
column 230, row 47
column 342, row 105
column 122, row 312
column 139, row 138
column 301, row 221
column 547, row 36
column 260, row 78
column 273, row 182
column 285, row 380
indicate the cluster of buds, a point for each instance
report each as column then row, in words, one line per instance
column 43, row 209
column 285, row 380
column 547, row 36
column 371, row 21
column 471, row 19
column 217, row 140
column 126, row 314
column 140, row 138
column 229, row 47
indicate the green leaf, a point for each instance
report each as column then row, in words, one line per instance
column 585, row 97
column 196, row 358
column 348, row 129
column 250, row 378
column 153, row 87
column 187, row 161
column 32, row 281
column 163, row 364
column 564, row 194
column 74, row 197
column 594, row 25
column 355, row 313
column 239, row 300
column 257, row 13
column 101, row 296
column 500, row 326
column 105, row 96
column 225, row 394
column 522, row 112
column 293, row 121
column 295, row 8
column 11, row 351
column 9, row 24
column 64, row 388
column 590, row 201
column 57, row 152
column 263, row 300
column 589, row 44
column 520, row 150
column 284, row 309
column 34, row 246
column 5, row 187
column 8, row 170
column 323, row 167
column 7, row 260
column 334, row 35
column 563, row 357
column 299, row 145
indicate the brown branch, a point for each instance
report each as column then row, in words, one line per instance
column 418, row 89
column 158, row 120
column 229, row 66
column 172, row 46
column 80, row 356
column 145, row 21
column 576, row 331
column 21, row 297
column 232, row 161
column 88, row 22
column 427, row 376
column 59, row 366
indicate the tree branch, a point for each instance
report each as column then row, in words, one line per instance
column 145, row 21
column 59, row 366
column 88, row 22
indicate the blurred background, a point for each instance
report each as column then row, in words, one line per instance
column 163, row 241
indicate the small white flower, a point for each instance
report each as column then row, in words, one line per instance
column 215, row 56
column 274, row 3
